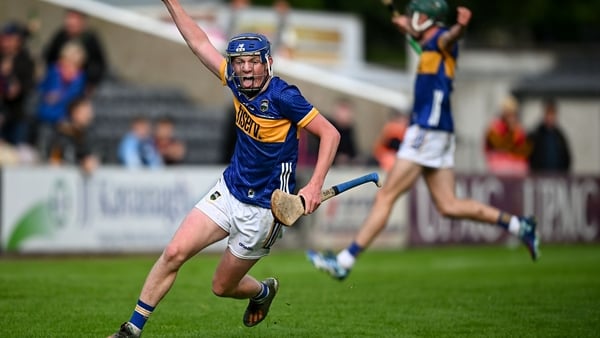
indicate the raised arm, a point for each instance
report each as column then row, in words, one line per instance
column 463, row 16
column 195, row 37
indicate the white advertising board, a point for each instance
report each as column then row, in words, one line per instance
column 46, row 209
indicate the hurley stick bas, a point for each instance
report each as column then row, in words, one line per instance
column 287, row 208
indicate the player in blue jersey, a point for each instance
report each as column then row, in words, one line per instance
column 429, row 143
column 269, row 113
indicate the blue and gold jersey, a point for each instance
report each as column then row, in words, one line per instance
column 433, row 86
column 266, row 150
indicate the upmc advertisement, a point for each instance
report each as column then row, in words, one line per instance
column 567, row 209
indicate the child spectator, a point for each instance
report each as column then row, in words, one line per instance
column 73, row 143
column 171, row 149
column 137, row 148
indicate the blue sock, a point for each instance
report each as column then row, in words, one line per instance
column 140, row 314
column 504, row 220
column 263, row 293
column 354, row 249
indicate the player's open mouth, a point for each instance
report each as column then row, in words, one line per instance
column 248, row 80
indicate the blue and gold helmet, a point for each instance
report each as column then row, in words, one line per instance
column 249, row 44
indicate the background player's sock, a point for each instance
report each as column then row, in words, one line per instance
column 514, row 226
column 347, row 257
column 509, row 222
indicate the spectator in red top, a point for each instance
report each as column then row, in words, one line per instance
column 387, row 144
column 506, row 145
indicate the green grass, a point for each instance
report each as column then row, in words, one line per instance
column 437, row 292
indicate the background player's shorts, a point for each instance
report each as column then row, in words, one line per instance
column 429, row 148
column 252, row 229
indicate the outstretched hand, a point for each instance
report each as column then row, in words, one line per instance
column 463, row 15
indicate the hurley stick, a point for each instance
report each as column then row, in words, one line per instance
column 287, row 208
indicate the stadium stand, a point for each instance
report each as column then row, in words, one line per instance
column 117, row 102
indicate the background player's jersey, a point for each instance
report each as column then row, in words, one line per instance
column 433, row 85
column 266, row 150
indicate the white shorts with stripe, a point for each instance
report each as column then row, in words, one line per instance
column 429, row 148
column 252, row 229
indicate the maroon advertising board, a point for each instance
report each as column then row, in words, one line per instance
column 567, row 209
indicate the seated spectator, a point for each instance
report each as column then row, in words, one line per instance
column 171, row 149
column 551, row 152
column 63, row 82
column 506, row 144
column 137, row 148
column 73, row 143
column 75, row 29
column 16, row 81
column 389, row 140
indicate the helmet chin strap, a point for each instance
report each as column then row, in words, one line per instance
column 419, row 27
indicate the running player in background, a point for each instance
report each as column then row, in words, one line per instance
column 269, row 113
column 429, row 143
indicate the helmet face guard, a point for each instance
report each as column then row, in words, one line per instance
column 250, row 44
column 435, row 10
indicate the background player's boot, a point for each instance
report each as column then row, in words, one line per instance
column 127, row 330
column 263, row 305
column 327, row 261
column 529, row 236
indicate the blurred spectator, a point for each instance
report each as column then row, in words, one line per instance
column 279, row 45
column 171, row 149
column 235, row 7
column 73, row 143
column 63, row 82
column 389, row 140
column 137, row 148
column 75, row 29
column 8, row 154
column 343, row 120
column 17, row 155
column 506, row 144
column 17, row 70
column 551, row 152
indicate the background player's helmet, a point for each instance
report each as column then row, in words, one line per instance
column 250, row 44
column 435, row 10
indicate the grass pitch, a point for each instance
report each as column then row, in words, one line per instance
column 435, row 292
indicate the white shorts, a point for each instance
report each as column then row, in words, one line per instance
column 252, row 229
column 429, row 148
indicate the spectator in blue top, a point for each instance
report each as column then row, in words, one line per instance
column 137, row 148
column 63, row 82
